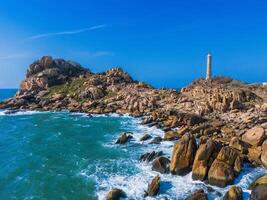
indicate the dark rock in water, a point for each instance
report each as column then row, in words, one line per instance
column 183, row 155
column 197, row 195
column 124, row 138
column 153, row 187
column 259, row 193
column 156, row 140
column 10, row 112
column 150, row 156
column 161, row 164
column 115, row 194
column 234, row 193
column 145, row 137
column 147, row 120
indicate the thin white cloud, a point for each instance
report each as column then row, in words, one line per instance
column 91, row 54
column 13, row 56
column 72, row 32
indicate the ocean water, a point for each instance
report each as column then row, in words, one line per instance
column 62, row 155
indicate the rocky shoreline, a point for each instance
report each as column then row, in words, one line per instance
column 218, row 124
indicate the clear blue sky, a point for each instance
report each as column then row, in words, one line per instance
column 162, row 42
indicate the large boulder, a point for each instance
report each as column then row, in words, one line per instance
column 183, row 155
column 223, row 170
column 234, row 193
column 205, row 155
column 115, row 194
column 264, row 153
column 254, row 136
column 153, row 187
column 161, row 164
column 197, row 195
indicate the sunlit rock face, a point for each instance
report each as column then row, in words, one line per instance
column 48, row 72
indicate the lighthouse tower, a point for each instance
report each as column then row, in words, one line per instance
column 208, row 73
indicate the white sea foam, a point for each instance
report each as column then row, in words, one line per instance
column 172, row 187
column 20, row 112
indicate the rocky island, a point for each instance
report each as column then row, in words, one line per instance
column 218, row 123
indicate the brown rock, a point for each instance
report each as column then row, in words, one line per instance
column 260, row 181
column 161, row 164
column 264, row 153
column 197, row 195
column 183, row 155
column 153, row 187
column 227, row 164
column 124, row 138
column 254, row 155
column 254, row 136
column 115, row 194
column 234, row 193
column 205, row 155
column 236, row 143
column 171, row 135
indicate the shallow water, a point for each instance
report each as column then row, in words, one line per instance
column 61, row 155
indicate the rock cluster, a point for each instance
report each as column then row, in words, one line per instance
column 218, row 123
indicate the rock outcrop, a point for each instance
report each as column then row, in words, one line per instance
column 227, row 116
column 226, row 166
column 183, row 155
column 205, row 155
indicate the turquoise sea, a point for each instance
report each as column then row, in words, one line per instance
column 62, row 155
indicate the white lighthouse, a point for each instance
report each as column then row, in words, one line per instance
column 208, row 73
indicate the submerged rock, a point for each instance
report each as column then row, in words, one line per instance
column 145, row 137
column 234, row 193
column 115, row 194
column 156, row 140
column 153, row 187
column 125, row 137
column 150, row 156
column 161, row 164
column 183, row 155
column 197, row 195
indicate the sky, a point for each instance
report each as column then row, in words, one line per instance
column 161, row 42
